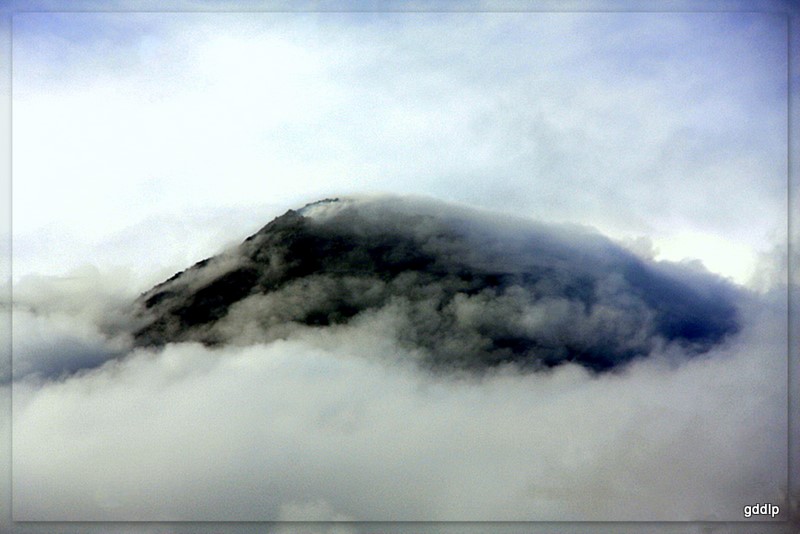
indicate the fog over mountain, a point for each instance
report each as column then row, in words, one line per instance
column 463, row 289
column 608, row 343
column 391, row 358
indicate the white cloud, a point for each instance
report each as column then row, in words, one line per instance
column 551, row 115
column 332, row 422
column 160, row 152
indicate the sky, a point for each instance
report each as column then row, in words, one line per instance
column 144, row 142
column 157, row 126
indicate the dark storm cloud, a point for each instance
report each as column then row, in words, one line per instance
column 465, row 289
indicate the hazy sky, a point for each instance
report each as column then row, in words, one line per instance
column 154, row 139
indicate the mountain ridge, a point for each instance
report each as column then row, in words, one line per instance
column 471, row 295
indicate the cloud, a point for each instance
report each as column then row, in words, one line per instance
column 64, row 324
column 290, row 106
column 564, row 121
column 337, row 422
column 251, row 433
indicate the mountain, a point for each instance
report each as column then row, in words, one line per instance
column 460, row 288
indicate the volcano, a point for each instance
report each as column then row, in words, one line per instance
column 464, row 289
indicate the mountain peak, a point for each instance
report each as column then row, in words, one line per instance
column 466, row 290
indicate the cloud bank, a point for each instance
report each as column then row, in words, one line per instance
column 337, row 421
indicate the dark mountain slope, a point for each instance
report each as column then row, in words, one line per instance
column 465, row 289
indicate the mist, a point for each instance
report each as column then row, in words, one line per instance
column 339, row 421
column 605, row 342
